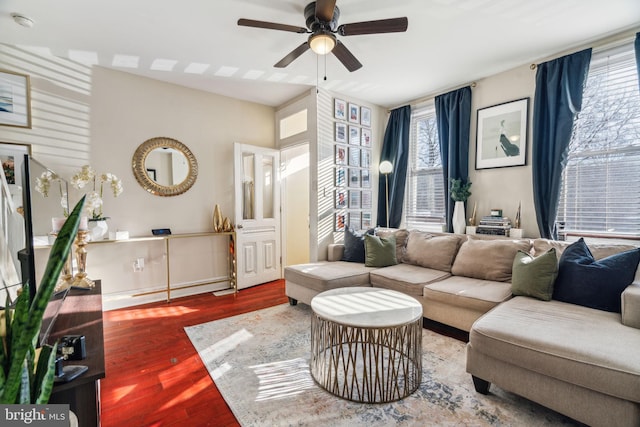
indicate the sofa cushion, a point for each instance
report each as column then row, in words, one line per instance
column 354, row 245
column 576, row 344
column 379, row 251
column 406, row 278
column 475, row 294
column 321, row 276
column 401, row 240
column 427, row 250
column 598, row 250
column 597, row 284
column 534, row 277
column 488, row 259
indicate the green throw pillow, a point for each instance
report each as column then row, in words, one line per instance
column 379, row 251
column 534, row 277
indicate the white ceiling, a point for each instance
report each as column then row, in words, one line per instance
column 448, row 42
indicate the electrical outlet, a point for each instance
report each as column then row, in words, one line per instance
column 138, row 265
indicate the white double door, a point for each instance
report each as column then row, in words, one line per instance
column 257, row 214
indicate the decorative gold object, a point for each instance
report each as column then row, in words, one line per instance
column 516, row 220
column 226, row 225
column 149, row 184
column 472, row 220
column 217, row 219
column 81, row 280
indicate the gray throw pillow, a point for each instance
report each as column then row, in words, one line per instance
column 534, row 277
column 379, row 251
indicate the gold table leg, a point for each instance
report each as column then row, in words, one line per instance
column 366, row 364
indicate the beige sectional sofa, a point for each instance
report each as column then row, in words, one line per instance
column 579, row 361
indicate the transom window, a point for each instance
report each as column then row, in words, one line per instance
column 600, row 193
column 424, row 189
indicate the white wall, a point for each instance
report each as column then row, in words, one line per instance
column 503, row 188
column 96, row 116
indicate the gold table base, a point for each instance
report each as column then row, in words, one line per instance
column 372, row 365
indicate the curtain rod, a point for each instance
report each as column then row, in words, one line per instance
column 417, row 101
column 606, row 44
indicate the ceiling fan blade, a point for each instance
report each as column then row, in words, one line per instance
column 324, row 9
column 346, row 57
column 292, row 55
column 270, row 26
column 393, row 25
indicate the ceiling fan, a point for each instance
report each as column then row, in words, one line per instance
column 322, row 25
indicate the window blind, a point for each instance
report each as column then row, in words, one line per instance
column 425, row 188
column 600, row 191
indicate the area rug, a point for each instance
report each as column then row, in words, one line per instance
column 260, row 363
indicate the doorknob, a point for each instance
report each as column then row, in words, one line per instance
column 238, row 225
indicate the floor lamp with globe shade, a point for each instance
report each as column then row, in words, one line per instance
column 385, row 169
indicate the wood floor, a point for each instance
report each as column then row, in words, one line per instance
column 154, row 376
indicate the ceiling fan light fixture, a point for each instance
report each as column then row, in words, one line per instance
column 322, row 42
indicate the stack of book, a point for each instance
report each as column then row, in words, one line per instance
column 494, row 225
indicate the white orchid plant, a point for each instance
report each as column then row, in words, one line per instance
column 87, row 177
column 43, row 186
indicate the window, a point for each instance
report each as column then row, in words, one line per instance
column 425, row 190
column 600, row 194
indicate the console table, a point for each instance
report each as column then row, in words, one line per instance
column 231, row 259
column 81, row 314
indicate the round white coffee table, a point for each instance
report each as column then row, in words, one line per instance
column 366, row 343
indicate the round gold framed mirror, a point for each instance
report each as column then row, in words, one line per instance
column 164, row 166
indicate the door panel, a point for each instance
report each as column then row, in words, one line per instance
column 257, row 214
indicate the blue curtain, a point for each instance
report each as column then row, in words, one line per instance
column 558, row 98
column 395, row 148
column 637, row 47
column 453, row 114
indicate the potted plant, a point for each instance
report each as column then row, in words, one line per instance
column 27, row 374
column 460, row 192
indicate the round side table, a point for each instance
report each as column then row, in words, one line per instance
column 366, row 343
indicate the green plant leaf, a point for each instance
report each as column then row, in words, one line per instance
column 57, row 258
column 45, row 374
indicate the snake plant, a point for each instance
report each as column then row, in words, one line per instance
column 25, row 376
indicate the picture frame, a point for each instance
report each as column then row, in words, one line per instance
column 11, row 158
column 354, row 177
column 339, row 109
column 501, row 135
column 365, row 178
column 366, row 220
column 355, row 221
column 365, row 137
column 339, row 221
column 354, row 156
column 354, row 135
column 365, row 116
column 365, row 158
column 354, row 199
column 341, row 133
column 354, row 113
column 341, row 155
column 152, row 174
column 365, row 200
column 15, row 99
column 341, row 199
column 341, row 177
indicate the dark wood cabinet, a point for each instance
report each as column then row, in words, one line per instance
column 81, row 314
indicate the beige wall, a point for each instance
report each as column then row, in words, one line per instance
column 96, row 116
column 503, row 188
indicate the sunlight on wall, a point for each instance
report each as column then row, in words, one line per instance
column 60, row 94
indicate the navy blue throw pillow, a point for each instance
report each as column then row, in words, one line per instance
column 354, row 245
column 597, row 284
